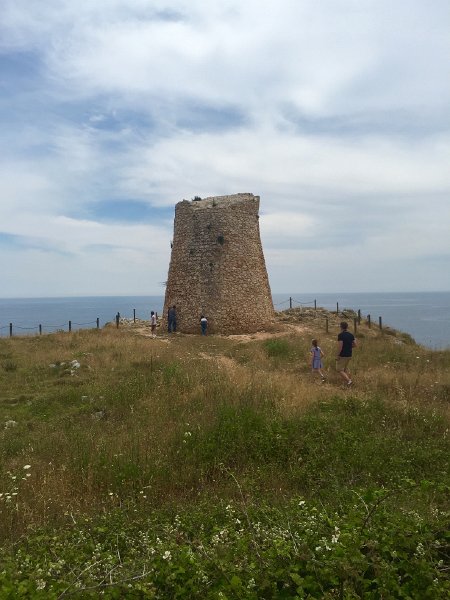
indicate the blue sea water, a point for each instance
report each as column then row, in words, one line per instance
column 424, row 315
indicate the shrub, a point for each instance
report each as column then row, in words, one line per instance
column 277, row 348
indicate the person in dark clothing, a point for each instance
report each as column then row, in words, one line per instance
column 346, row 343
column 203, row 324
column 172, row 319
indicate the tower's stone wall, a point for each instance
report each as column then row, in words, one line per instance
column 217, row 266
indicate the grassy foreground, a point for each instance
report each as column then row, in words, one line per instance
column 218, row 467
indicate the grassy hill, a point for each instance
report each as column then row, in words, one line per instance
column 218, row 467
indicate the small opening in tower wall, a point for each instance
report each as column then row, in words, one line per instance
column 220, row 239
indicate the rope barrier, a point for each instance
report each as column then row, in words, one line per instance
column 280, row 303
column 48, row 327
column 296, row 302
column 302, row 303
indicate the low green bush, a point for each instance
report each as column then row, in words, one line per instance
column 225, row 550
column 278, row 348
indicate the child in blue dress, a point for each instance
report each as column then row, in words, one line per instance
column 316, row 359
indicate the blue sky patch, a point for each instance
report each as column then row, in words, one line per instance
column 127, row 211
column 21, row 242
column 19, row 70
column 8, row 240
column 198, row 117
column 393, row 122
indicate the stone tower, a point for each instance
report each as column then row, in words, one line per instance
column 217, row 266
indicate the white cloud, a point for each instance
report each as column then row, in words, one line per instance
column 335, row 112
column 276, row 162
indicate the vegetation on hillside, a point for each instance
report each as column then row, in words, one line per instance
column 218, row 467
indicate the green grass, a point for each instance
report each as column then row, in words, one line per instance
column 279, row 348
column 139, row 451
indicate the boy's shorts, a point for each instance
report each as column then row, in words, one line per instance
column 342, row 363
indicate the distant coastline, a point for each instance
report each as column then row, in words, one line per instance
column 424, row 315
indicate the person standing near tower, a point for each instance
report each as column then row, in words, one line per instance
column 346, row 343
column 153, row 323
column 172, row 319
column 204, row 324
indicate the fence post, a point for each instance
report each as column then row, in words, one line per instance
column 290, row 302
column 380, row 322
column 40, row 329
column 117, row 320
column 10, row 330
column 315, row 304
column 355, row 321
column 369, row 323
column 326, row 324
column 134, row 315
column 337, row 308
column 70, row 326
column 359, row 316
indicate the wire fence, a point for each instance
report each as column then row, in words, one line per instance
column 293, row 301
column 48, row 327
column 11, row 329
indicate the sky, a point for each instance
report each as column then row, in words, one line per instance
column 335, row 112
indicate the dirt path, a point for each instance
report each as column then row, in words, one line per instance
column 265, row 335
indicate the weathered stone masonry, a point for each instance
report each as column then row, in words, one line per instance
column 217, row 266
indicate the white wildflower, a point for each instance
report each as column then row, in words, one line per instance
column 251, row 584
column 420, row 549
column 26, row 467
column 167, row 555
column 335, row 536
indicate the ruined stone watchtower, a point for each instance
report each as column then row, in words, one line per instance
column 217, row 266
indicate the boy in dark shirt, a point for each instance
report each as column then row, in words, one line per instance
column 346, row 343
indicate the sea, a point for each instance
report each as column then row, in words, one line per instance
column 424, row 315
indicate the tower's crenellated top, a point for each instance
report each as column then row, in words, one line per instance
column 220, row 201
column 217, row 266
